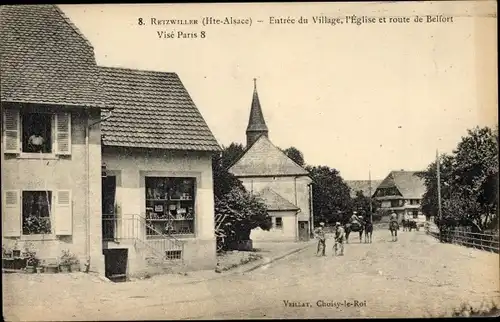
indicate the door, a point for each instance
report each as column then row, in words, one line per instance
column 115, row 262
column 303, row 230
column 108, row 208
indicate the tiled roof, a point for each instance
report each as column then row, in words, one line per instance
column 265, row 159
column 274, row 201
column 45, row 59
column 152, row 110
column 362, row 185
column 409, row 184
column 256, row 120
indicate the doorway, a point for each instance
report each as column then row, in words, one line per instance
column 303, row 230
column 115, row 261
column 108, row 208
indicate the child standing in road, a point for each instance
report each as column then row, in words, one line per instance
column 339, row 239
column 320, row 234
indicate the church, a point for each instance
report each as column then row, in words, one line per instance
column 283, row 185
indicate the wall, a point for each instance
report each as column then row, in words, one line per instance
column 294, row 190
column 287, row 233
column 65, row 172
column 132, row 165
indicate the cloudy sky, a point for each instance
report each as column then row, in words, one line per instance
column 373, row 97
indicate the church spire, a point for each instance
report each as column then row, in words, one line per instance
column 256, row 123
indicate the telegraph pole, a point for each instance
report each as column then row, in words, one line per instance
column 370, row 191
column 438, row 175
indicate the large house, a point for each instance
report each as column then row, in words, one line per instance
column 401, row 192
column 283, row 185
column 111, row 164
column 366, row 187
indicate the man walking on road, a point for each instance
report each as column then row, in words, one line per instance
column 320, row 234
column 339, row 239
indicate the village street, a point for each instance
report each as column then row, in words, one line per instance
column 416, row 276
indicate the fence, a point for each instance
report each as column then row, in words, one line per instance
column 460, row 236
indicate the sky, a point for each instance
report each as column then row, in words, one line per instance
column 362, row 99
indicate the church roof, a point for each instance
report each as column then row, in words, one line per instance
column 256, row 120
column 274, row 201
column 265, row 159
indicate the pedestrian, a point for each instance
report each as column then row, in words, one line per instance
column 320, row 234
column 339, row 239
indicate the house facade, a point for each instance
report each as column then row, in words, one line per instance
column 401, row 192
column 111, row 164
column 51, row 150
column 158, row 188
column 283, row 185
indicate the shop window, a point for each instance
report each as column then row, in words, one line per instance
column 36, row 212
column 170, row 206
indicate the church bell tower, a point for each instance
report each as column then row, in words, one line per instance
column 256, row 123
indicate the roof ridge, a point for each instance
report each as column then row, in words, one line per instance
column 137, row 70
column 73, row 26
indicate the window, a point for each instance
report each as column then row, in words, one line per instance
column 36, row 209
column 278, row 223
column 29, row 132
column 170, row 205
column 37, row 133
column 414, row 202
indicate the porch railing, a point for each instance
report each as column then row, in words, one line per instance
column 134, row 227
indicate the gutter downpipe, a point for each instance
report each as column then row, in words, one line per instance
column 87, row 210
column 311, row 214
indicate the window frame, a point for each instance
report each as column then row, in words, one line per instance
column 51, row 216
column 165, row 202
column 52, row 134
column 280, row 227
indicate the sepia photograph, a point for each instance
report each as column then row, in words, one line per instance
column 249, row 160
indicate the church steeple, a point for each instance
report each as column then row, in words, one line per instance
column 256, row 123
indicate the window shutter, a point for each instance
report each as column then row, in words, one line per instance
column 63, row 213
column 11, row 217
column 12, row 131
column 63, row 133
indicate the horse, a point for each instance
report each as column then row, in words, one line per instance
column 409, row 224
column 356, row 227
column 394, row 227
column 368, row 231
column 405, row 224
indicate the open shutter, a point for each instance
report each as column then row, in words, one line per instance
column 11, row 217
column 63, row 133
column 12, row 131
column 63, row 213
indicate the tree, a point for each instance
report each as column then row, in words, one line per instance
column 331, row 198
column 294, row 154
column 361, row 203
column 469, row 182
column 241, row 212
column 237, row 211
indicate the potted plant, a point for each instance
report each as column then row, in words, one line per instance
column 7, row 260
column 31, row 262
column 16, row 252
column 75, row 264
column 65, row 261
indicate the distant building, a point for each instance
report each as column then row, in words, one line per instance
column 363, row 186
column 401, row 192
column 283, row 185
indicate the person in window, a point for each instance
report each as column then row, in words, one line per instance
column 36, row 142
